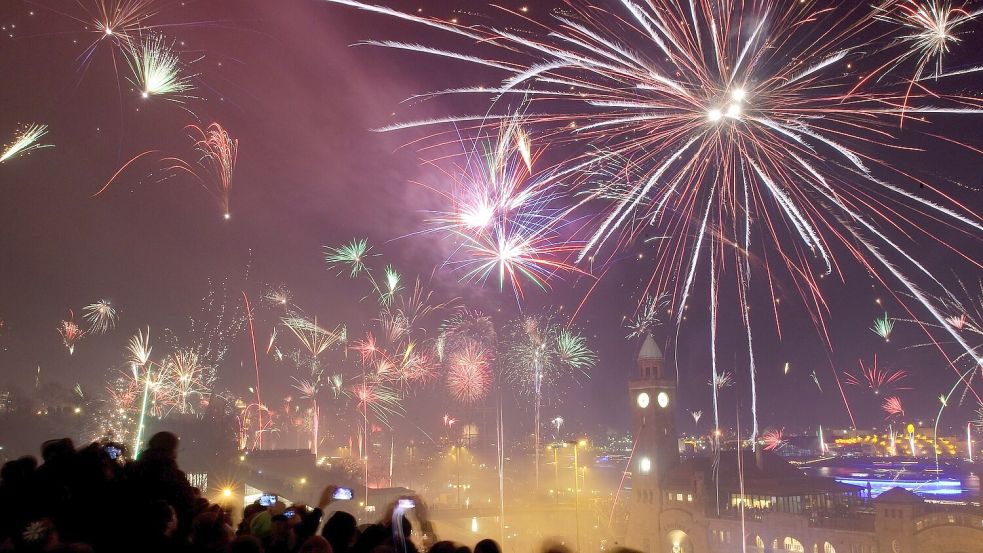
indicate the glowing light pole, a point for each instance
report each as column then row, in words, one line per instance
column 576, row 483
column 969, row 440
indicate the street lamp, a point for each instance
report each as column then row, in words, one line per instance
column 577, row 444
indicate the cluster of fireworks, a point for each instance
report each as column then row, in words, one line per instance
column 752, row 139
column 126, row 31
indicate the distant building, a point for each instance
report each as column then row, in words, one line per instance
column 702, row 505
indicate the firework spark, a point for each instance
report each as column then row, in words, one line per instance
column 101, row 317
column 157, row 69
column 25, row 140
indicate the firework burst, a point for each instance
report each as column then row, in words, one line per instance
column 468, row 374
column 739, row 130
column 501, row 215
column 773, row 440
column 892, row 407
column 883, row 327
column 876, row 379
column 724, row 379
column 930, row 28
column 25, row 140
column 157, row 69
column 648, row 316
column 351, row 255
column 313, row 337
column 101, row 317
column 70, row 334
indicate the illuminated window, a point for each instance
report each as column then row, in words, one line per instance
column 689, row 497
column 792, row 544
column 828, row 548
column 679, row 497
column 645, row 465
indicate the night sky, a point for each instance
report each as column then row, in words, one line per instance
column 282, row 77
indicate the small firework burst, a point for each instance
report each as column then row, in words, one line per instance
column 391, row 285
column 723, row 379
column 351, row 255
column 70, row 334
column 773, row 440
column 279, row 295
column 25, row 140
column 468, row 375
column 157, row 69
column 374, row 396
column 883, row 327
column 101, row 317
column 572, row 350
column 876, row 379
column 648, row 316
column 314, row 338
column 697, row 415
column 931, row 28
column 892, row 407
column 139, row 348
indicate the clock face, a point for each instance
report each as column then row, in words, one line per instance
column 663, row 399
column 642, row 400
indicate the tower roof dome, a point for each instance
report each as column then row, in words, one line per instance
column 650, row 350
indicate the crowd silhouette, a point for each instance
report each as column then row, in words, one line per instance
column 91, row 500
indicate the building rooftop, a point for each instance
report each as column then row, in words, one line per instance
column 898, row 495
column 764, row 473
column 650, row 350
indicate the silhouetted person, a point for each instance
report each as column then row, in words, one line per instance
column 210, row 533
column 155, row 475
column 487, row 546
column 341, row 531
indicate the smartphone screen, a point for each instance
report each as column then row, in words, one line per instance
column 342, row 493
column 289, row 513
column 406, row 504
column 113, row 452
column 267, row 499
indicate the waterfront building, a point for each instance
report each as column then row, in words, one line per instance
column 757, row 502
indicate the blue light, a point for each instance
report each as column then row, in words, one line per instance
column 920, row 487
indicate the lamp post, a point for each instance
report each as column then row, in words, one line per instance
column 576, row 482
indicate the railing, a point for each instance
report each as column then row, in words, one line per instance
column 856, row 522
column 964, row 519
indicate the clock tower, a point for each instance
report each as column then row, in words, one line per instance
column 652, row 394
